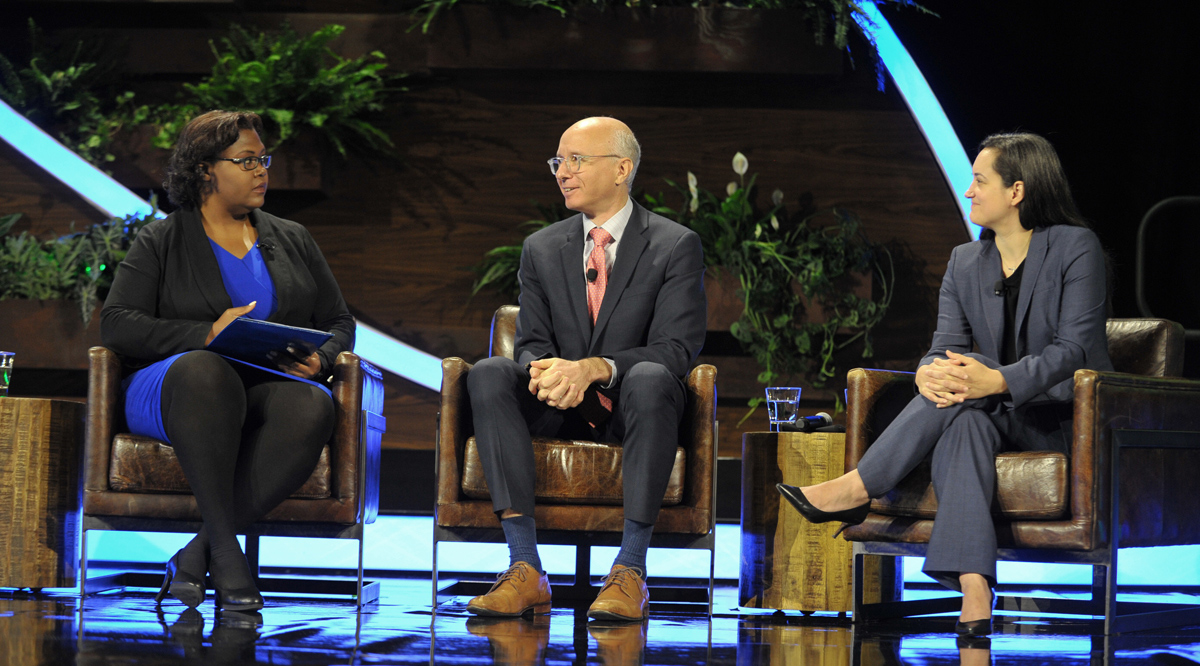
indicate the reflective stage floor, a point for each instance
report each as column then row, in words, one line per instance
column 126, row 628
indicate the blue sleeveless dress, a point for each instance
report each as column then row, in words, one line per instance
column 246, row 280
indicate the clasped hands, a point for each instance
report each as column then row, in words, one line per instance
column 957, row 378
column 561, row 383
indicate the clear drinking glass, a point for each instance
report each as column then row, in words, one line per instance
column 782, row 404
column 6, row 367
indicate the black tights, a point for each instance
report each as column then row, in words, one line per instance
column 245, row 442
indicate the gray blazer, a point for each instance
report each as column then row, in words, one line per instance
column 653, row 309
column 1061, row 312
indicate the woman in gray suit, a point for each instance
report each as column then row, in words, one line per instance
column 1031, row 295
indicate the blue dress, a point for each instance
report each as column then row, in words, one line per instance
column 246, row 280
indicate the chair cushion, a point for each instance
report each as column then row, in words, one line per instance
column 1030, row 485
column 571, row 472
column 147, row 465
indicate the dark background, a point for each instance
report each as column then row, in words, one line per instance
column 1115, row 88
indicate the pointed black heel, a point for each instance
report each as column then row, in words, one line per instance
column 230, row 567
column 814, row 515
column 976, row 628
column 181, row 584
column 241, row 599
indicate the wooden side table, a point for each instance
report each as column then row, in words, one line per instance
column 40, row 445
column 788, row 562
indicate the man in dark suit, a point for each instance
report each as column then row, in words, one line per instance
column 612, row 316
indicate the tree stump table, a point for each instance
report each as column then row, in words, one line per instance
column 40, row 444
column 788, row 562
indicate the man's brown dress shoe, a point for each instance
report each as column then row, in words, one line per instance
column 518, row 590
column 623, row 598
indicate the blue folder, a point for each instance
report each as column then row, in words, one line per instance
column 259, row 343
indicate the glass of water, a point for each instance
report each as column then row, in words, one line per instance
column 782, row 405
column 6, row 367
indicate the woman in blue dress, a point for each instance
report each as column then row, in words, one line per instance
column 245, row 438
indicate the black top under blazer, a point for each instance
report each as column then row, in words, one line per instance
column 168, row 291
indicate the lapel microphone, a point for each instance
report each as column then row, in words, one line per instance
column 591, row 275
column 266, row 247
column 999, row 289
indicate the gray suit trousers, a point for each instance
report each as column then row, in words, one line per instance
column 645, row 420
column 963, row 441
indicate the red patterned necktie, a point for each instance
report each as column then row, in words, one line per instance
column 595, row 288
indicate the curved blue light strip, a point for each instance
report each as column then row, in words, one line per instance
column 398, row 358
column 923, row 105
column 95, row 186
column 115, row 200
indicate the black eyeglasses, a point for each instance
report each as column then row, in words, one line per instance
column 248, row 163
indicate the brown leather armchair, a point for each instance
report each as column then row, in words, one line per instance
column 579, row 483
column 135, row 483
column 1127, row 482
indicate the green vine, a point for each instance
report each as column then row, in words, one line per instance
column 78, row 266
column 785, row 264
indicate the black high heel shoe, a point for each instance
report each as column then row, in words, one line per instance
column 814, row 515
column 181, row 584
column 245, row 598
column 976, row 628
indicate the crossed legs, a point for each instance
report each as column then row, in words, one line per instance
column 243, row 449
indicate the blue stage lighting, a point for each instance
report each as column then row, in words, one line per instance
column 95, row 186
column 398, row 358
column 925, row 109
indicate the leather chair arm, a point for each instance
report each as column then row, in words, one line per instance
column 104, row 395
column 454, row 427
column 357, row 388
column 1156, row 484
column 698, row 437
column 875, row 398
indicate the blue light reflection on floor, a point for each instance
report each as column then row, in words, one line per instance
column 404, row 543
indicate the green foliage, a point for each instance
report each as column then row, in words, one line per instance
column 294, row 82
column 68, row 93
column 77, row 266
column 828, row 18
column 500, row 265
column 784, row 264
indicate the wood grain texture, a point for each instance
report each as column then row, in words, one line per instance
column 788, row 562
column 50, row 208
column 474, row 135
column 39, row 461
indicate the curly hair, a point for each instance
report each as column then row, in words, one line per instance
column 200, row 142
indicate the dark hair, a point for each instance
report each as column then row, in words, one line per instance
column 1031, row 159
column 200, row 142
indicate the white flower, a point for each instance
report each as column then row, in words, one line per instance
column 774, row 222
column 731, row 188
column 692, row 183
column 757, row 230
column 740, row 164
column 695, row 203
column 777, row 197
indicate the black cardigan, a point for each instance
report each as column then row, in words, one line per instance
column 168, row 291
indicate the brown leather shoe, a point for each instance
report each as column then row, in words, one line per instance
column 623, row 598
column 619, row 644
column 518, row 590
column 515, row 641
